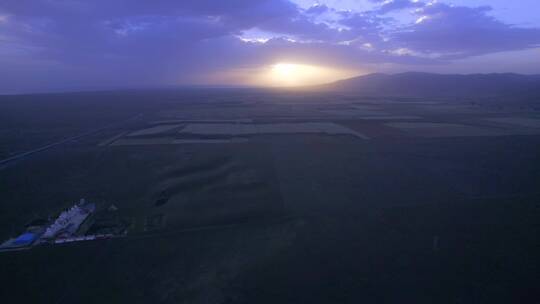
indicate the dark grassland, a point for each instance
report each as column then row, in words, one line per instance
column 303, row 218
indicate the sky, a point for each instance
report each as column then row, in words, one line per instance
column 60, row 45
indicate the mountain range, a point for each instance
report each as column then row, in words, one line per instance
column 416, row 84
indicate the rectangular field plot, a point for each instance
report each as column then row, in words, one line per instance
column 142, row 141
column 390, row 117
column 517, row 121
column 445, row 129
column 233, row 140
column 172, row 141
column 183, row 121
column 276, row 128
column 353, row 112
column 154, row 130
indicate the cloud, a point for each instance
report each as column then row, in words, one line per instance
column 317, row 9
column 387, row 6
column 55, row 43
column 458, row 32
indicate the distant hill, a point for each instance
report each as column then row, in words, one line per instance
column 414, row 84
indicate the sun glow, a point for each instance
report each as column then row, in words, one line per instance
column 283, row 74
column 292, row 74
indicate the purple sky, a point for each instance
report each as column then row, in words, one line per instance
column 79, row 44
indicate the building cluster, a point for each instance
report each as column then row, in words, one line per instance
column 64, row 228
column 68, row 222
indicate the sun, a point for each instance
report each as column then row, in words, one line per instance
column 286, row 74
column 291, row 74
column 288, row 71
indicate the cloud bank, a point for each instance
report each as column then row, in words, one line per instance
column 71, row 44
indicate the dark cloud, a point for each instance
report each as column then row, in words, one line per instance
column 317, row 9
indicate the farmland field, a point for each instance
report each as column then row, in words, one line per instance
column 267, row 196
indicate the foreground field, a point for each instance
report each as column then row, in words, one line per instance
column 279, row 197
